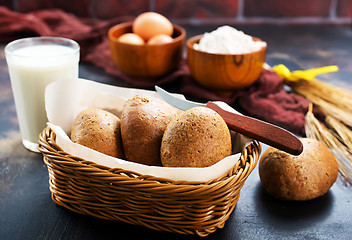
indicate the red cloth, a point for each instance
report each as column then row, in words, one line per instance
column 54, row 22
column 266, row 99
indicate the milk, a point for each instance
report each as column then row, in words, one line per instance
column 31, row 69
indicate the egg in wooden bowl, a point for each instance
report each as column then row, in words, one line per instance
column 222, row 63
column 153, row 49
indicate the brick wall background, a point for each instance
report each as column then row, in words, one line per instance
column 338, row 12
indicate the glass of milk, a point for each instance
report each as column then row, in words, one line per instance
column 33, row 63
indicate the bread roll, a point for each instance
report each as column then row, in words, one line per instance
column 98, row 130
column 143, row 122
column 303, row 177
column 198, row 137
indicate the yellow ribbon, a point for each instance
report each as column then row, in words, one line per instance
column 308, row 74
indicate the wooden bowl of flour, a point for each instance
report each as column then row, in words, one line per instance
column 224, row 72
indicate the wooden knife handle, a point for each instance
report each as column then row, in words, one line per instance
column 262, row 131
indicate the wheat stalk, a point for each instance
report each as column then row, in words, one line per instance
column 333, row 101
column 338, row 139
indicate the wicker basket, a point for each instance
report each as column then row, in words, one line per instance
column 160, row 204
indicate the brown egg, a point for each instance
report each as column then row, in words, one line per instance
column 160, row 39
column 149, row 24
column 131, row 38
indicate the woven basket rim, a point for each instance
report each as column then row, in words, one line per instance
column 68, row 157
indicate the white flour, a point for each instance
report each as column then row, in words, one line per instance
column 228, row 40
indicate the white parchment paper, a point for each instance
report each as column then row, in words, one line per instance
column 65, row 99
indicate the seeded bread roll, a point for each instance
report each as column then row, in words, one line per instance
column 98, row 130
column 143, row 122
column 303, row 177
column 198, row 137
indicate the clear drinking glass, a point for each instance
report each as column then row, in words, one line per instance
column 33, row 63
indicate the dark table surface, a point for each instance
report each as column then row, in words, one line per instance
column 27, row 211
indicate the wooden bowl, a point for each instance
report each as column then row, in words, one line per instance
column 224, row 72
column 146, row 61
